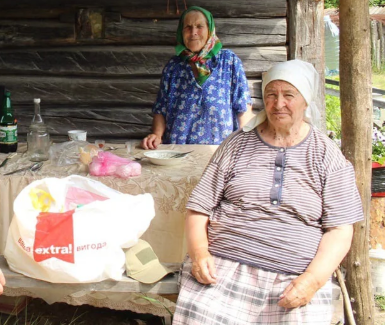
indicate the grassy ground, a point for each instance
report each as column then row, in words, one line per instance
column 378, row 80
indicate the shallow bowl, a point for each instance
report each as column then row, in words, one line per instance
column 162, row 157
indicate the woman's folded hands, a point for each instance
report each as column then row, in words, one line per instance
column 203, row 268
column 300, row 291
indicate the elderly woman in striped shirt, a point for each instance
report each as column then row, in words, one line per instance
column 266, row 226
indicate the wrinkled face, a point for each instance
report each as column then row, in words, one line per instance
column 284, row 104
column 195, row 31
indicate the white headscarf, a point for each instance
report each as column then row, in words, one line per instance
column 303, row 76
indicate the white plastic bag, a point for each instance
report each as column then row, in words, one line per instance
column 72, row 230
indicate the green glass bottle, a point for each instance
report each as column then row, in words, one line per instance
column 8, row 126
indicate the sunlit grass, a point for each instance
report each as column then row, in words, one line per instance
column 378, row 80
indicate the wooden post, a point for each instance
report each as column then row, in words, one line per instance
column 356, row 111
column 306, row 41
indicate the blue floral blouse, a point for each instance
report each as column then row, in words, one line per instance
column 204, row 114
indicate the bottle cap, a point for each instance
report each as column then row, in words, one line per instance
column 36, row 100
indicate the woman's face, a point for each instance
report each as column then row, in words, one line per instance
column 195, row 31
column 284, row 104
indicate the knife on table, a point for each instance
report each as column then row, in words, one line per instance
column 33, row 168
column 11, row 155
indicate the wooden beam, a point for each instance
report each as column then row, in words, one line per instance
column 119, row 61
column 35, row 32
column 231, row 31
column 356, row 113
column 90, row 26
column 88, row 92
column 34, row 13
column 306, row 41
column 168, row 285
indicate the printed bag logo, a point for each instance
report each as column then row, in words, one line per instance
column 54, row 236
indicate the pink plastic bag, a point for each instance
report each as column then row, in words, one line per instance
column 108, row 164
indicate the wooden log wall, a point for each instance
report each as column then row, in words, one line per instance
column 96, row 65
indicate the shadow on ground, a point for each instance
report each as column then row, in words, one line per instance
column 38, row 312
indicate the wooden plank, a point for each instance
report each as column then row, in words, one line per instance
column 89, row 92
column 108, row 122
column 158, row 8
column 119, row 61
column 30, row 32
column 167, row 285
column 69, row 90
column 34, row 13
column 232, row 32
column 219, row 8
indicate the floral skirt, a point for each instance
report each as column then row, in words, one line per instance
column 245, row 295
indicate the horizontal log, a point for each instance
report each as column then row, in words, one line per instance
column 159, row 9
column 58, row 128
column 88, row 92
column 34, row 13
column 119, row 61
column 232, row 32
column 35, row 33
column 219, row 8
column 55, row 90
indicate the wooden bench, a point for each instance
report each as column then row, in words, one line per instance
column 18, row 284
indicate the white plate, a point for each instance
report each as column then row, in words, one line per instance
column 162, row 157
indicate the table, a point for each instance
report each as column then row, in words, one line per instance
column 170, row 187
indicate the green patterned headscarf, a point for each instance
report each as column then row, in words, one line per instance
column 211, row 48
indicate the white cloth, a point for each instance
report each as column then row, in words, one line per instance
column 301, row 75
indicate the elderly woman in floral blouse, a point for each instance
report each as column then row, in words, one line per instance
column 203, row 94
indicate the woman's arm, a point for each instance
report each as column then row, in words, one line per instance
column 153, row 140
column 245, row 117
column 203, row 268
column 334, row 245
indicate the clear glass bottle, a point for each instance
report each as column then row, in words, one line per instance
column 38, row 138
column 37, row 119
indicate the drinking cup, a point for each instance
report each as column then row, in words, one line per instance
column 128, row 146
column 77, row 135
column 100, row 143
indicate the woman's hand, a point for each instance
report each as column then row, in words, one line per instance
column 299, row 292
column 203, row 268
column 2, row 282
column 152, row 141
column 334, row 245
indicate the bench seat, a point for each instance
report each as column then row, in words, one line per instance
column 121, row 295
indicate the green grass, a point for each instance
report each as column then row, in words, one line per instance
column 378, row 80
column 380, row 302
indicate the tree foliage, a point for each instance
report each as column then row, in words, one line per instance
column 336, row 3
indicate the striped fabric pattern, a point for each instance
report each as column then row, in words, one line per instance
column 318, row 192
column 245, row 295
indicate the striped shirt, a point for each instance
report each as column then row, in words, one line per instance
column 269, row 206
